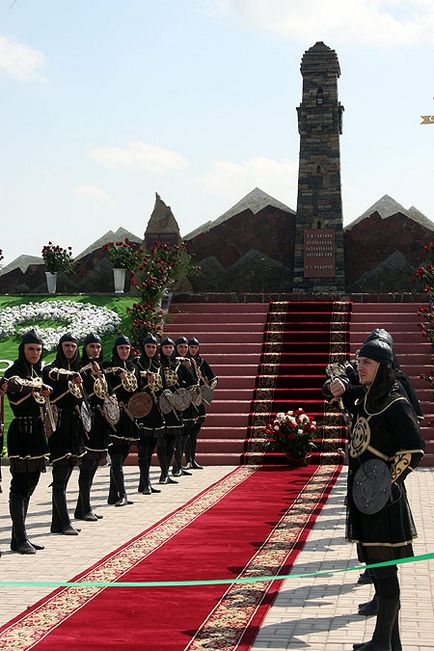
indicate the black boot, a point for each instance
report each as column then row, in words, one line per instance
column 19, row 540
column 369, row 608
column 395, row 638
column 117, row 475
column 83, row 508
column 386, row 617
column 365, row 578
column 60, row 521
column 163, row 460
column 26, row 508
column 193, row 440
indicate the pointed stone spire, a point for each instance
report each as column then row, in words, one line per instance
column 162, row 225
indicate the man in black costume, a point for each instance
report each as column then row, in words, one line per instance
column 27, row 446
column 96, row 442
column 384, row 428
column 66, row 442
column 189, row 415
column 152, row 426
column 204, row 374
column 123, row 379
column 348, row 383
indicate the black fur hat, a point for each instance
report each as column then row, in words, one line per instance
column 150, row 339
column 380, row 333
column 31, row 337
column 92, row 338
column 167, row 341
column 122, row 340
column 68, row 336
column 378, row 350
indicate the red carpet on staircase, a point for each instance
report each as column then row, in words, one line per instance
column 253, row 522
column 301, row 338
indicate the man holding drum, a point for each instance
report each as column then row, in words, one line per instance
column 66, row 441
column 207, row 383
column 123, row 378
column 151, row 421
column 96, row 391
column 27, row 446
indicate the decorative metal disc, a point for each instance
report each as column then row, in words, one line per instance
column 372, row 486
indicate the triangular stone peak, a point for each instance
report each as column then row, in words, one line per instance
column 256, row 200
column 162, row 225
column 386, row 206
column 319, row 250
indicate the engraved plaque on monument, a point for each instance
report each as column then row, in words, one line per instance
column 319, row 253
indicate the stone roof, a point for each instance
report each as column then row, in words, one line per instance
column 387, row 206
column 23, row 262
column 255, row 201
column 110, row 236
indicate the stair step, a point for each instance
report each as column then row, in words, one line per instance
column 410, row 348
column 384, row 308
column 384, row 318
column 215, row 338
column 198, row 328
column 219, row 308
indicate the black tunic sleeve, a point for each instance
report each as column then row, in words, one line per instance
column 410, row 445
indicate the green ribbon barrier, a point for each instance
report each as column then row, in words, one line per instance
column 247, row 579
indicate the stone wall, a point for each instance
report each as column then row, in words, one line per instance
column 382, row 255
column 248, row 252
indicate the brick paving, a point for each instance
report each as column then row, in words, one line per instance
column 315, row 613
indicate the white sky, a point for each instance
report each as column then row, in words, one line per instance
column 105, row 102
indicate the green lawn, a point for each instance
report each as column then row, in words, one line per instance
column 9, row 346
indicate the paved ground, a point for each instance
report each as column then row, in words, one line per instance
column 316, row 614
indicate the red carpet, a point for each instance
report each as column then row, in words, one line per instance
column 253, row 522
column 301, row 338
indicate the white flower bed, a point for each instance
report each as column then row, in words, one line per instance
column 79, row 318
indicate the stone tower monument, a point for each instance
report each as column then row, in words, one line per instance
column 319, row 252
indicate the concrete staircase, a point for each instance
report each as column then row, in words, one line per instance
column 413, row 352
column 231, row 338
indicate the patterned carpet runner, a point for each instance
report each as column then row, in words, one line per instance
column 301, row 338
column 253, row 522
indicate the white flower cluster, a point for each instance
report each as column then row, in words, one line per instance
column 79, row 318
column 295, row 419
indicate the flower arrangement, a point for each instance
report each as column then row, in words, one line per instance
column 156, row 272
column 425, row 274
column 57, row 258
column 291, row 432
column 124, row 255
column 72, row 316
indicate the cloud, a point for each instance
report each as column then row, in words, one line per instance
column 20, row 61
column 236, row 179
column 139, row 155
column 95, row 193
column 381, row 22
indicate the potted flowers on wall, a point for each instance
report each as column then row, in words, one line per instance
column 124, row 256
column 292, row 433
column 56, row 259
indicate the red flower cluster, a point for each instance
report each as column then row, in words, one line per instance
column 155, row 273
column 124, row 255
column 425, row 274
column 57, row 258
column 291, row 432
